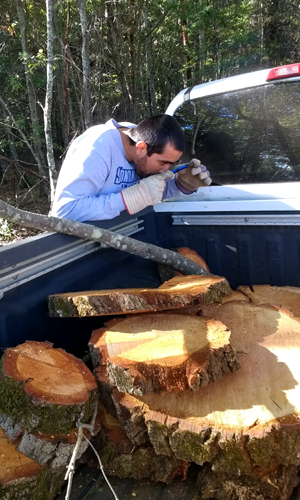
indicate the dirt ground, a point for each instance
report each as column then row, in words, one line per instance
column 22, row 190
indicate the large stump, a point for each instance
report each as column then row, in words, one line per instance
column 24, row 479
column 44, row 389
column 178, row 292
column 172, row 352
column 246, row 424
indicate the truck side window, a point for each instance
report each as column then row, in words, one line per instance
column 246, row 136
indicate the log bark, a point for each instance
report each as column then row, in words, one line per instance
column 278, row 486
column 105, row 390
column 186, row 352
column 54, row 450
column 181, row 291
column 130, row 413
column 44, row 389
column 284, row 296
column 21, row 478
column 121, row 459
column 248, row 424
column 108, row 238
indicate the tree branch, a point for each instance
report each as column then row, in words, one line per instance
column 99, row 235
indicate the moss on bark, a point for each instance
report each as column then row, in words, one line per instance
column 36, row 416
column 44, row 486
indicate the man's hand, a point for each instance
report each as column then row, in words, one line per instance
column 191, row 178
column 148, row 192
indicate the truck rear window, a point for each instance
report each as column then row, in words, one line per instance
column 247, row 136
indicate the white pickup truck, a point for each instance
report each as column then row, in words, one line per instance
column 246, row 130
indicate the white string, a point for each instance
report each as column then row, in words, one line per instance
column 71, row 467
column 101, row 467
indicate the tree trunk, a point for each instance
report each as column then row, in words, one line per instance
column 45, row 390
column 116, row 41
column 48, row 102
column 149, row 66
column 85, row 56
column 32, row 99
column 66, row 81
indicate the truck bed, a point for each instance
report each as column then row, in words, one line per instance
column 52, row 263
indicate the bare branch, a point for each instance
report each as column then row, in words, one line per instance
column 108, row 238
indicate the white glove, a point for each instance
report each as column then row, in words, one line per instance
column 193, row 177
column 148, row 192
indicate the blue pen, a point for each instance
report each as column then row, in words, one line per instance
column 181, row 167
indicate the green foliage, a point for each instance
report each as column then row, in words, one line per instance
column 142, row 53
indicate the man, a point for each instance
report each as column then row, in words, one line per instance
column 116, row 167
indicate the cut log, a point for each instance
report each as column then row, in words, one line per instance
column 167, row 272
column 246, row 424
column 44, row 389
column 24, row 479
column 173, row 352
column 54, row 450
column 121, row 459
column 179, row 292
column 284, row 296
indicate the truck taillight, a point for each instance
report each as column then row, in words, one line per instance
column 284, row 71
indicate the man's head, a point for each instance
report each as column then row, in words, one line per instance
column 158, row 143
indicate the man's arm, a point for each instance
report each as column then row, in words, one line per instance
column 89, row 207
column 86, row 188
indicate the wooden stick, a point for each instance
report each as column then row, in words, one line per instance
column 90, row 232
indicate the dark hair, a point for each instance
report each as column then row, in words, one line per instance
column 157, row 131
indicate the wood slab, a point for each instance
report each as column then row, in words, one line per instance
column 23, row 478
column 45, row 389
column 171, row 352
column 178, row 292
column 246, row 424
column 121, row 459
column 283, row 296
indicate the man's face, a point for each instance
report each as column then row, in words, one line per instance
column 156, row 163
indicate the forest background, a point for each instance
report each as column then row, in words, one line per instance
column 67, row 65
